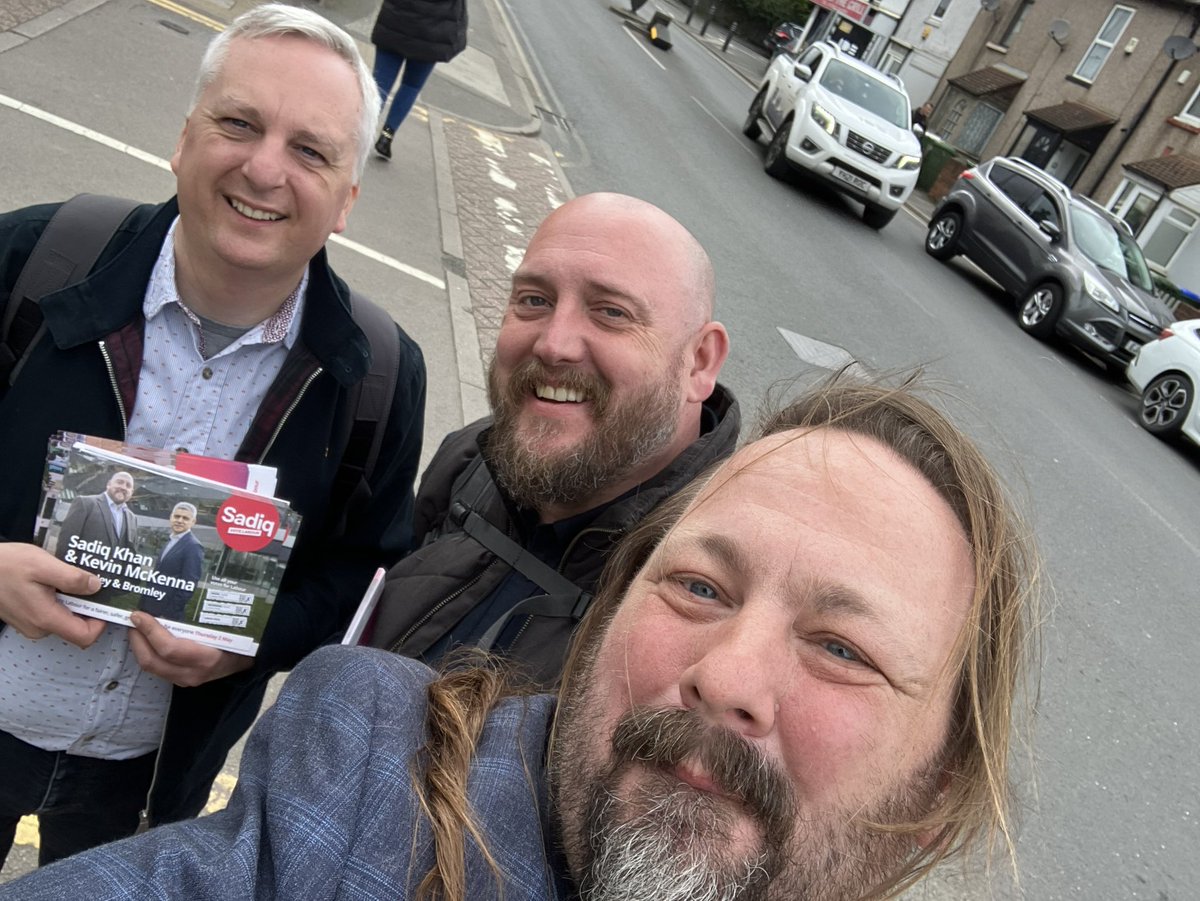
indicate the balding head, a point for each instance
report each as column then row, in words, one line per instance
column 606, row 354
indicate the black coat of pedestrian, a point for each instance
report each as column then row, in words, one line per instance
column 428, row 30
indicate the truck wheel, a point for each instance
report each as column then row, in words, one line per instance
column 776, row 162
column 752, row 129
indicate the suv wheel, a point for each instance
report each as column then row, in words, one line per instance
column 1165, row 404
column 876, row 216
column 752, row 129
column 1039, row 311
column 776, row 162
column 941, row 242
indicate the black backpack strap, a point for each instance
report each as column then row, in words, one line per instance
column 65, row 253
column 562, row 598
column 369, row 405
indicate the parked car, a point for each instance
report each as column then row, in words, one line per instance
column 781, row 35
column 1073, row 267
column 842, row 121
column 1166, row 372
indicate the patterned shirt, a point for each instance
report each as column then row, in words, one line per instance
column 97, row 702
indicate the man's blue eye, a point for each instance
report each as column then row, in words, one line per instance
column 837, row 649
column 701, row 589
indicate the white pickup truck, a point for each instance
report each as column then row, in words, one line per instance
column 839, row 119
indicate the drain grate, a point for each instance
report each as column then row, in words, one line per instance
column 552, row 118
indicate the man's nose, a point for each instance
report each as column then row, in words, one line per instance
column 265, row 166
column 737, row 679
column 561, row 338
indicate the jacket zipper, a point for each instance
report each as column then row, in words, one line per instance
column 112, row 381
column 144, row 813
column 288, row 412
column 396, row 645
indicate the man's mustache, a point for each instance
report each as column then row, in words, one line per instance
column 668, row 737
column 531, row 373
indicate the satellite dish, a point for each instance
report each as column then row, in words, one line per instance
column 1178, row 47
column 1059, row 29
column 989, row 5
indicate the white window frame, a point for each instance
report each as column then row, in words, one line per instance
column 1127, row 195
column 1101, row 42
column 1168, row 219
column 895, row 53
column 939, row 11
column 1191, row 109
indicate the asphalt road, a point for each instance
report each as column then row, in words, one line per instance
column 1111, row 807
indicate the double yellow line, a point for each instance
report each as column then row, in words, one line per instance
column 189, row 14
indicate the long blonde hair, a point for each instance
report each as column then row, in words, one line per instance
column 991, row 655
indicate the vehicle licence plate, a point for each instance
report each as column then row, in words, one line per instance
column 851, row 179
column 1132, row 346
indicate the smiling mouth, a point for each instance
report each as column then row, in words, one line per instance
column 560, row 395
column 251, row 213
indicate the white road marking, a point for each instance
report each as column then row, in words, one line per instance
column 817, row 353
column 141, row 155
column 736, row 138
column 642, row 46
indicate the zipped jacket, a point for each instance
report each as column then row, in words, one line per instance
column 430, row 591
column 82, row 376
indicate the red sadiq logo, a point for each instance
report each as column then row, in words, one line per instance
column 246, row 523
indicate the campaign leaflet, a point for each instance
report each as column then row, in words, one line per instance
column 204, row 557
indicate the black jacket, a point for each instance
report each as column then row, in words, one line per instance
column 82, row 377
column 433, row 31
column 429, row 592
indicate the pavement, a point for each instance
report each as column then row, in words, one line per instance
column 470, row 151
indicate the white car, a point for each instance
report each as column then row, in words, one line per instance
column 1166, row 372
column 842, row 121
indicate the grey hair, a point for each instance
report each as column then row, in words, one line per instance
column 280, row 20
column 191, row 508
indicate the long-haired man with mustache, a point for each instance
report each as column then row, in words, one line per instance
column 605, row 401
column 797, row 682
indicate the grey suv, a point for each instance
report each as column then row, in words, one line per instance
column 1074, row 268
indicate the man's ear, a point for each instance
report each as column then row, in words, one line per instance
column 345, row 214
column 710, row 348
column 179, row 148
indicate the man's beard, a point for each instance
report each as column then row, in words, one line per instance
column 623, row 435
column 666, row 841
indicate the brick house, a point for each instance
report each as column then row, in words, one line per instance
column 1104, row 96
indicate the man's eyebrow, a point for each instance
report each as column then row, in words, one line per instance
column 725, row 551
column 827, row 597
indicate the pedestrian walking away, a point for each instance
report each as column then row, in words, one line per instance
column 413, row 35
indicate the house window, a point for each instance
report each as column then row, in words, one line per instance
column 950, row 122
column 940, row 11
column 1191, row 112
column 1015, row 23
column 1169, row 236
column 1110, row 32
column 1135, row 204
column 893, row 59
column 978, row 128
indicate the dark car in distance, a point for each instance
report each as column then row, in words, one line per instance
column 781, row 35
column 1073, row 267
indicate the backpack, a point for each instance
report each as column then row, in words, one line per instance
column 68, row 249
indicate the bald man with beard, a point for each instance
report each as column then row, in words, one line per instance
column 604, row 400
